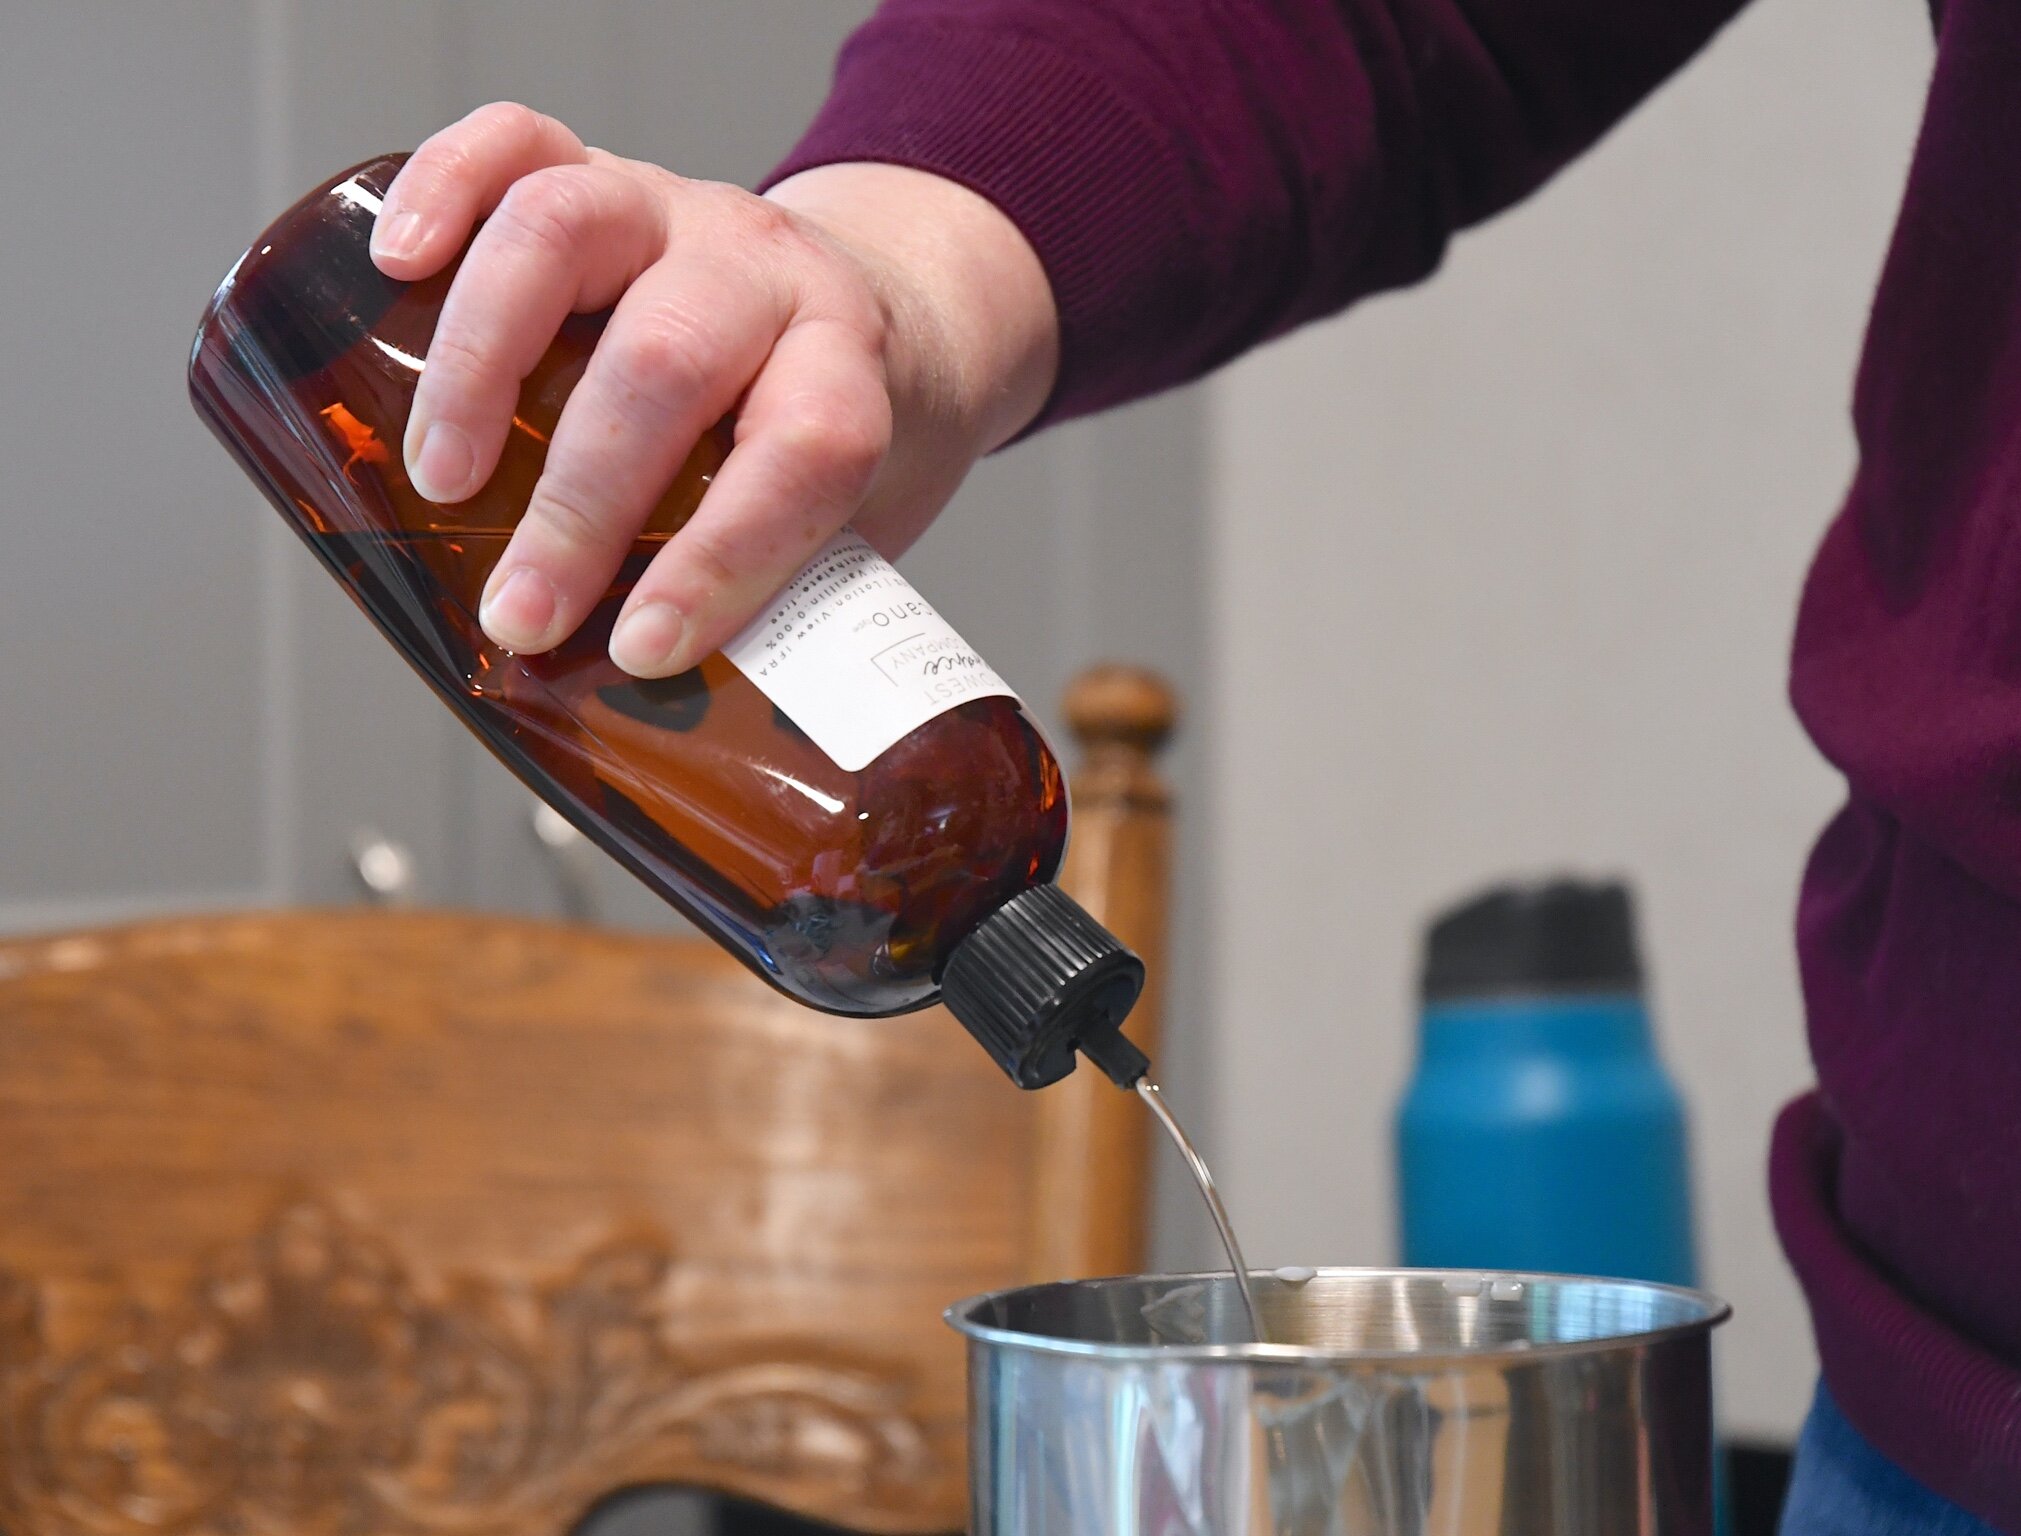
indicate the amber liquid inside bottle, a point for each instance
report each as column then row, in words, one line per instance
column 848, row 890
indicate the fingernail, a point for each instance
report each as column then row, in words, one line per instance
column 518, row 608
column 441, row 470
column 645, row 639
column 397, row 237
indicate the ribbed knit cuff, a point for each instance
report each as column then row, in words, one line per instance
column 1101, row 190
column 1942, row 1409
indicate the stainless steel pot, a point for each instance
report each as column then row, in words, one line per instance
column 1389, row 1403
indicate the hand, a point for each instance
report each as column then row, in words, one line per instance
column 875, row 329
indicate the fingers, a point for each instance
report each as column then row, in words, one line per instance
column 721, row 304
column 811, row 436
column 564, row 239
column 458, row 176
column 682, row 345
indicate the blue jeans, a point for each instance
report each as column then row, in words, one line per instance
column 1842, row 1486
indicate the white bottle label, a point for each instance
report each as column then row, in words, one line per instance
column 855, row 657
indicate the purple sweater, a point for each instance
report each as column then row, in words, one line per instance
column 1199, row 176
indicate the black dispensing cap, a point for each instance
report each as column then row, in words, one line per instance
column 1039, row 979
column 1560, row 936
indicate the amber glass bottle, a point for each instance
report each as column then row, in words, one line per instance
column 846, row 797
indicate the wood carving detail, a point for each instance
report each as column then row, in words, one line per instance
column 305, row 1387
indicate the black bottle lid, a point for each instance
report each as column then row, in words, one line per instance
column 1556, row 936
column 1040, row 978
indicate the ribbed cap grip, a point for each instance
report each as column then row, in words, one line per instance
column 1039, row 979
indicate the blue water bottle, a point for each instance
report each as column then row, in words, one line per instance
column 1540, row 1131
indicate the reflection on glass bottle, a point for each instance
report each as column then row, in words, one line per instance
column 852, row 889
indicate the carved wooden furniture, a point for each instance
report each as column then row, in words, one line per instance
column 386, row 1223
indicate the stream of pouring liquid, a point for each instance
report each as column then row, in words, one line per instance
column 1150, row 1093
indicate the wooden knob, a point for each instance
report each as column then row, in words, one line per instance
column 1124, row 705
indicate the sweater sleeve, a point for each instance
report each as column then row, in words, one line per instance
column 1199, row 175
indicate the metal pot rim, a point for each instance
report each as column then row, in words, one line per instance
column 1712, row 1312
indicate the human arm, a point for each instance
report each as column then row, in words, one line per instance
column 1198, row 178
column 1009, row 211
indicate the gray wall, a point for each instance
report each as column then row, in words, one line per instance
column 1504, row 575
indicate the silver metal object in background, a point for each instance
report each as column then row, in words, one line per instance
column 1390, row 1403
column 384, row 867
column 573, row 858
